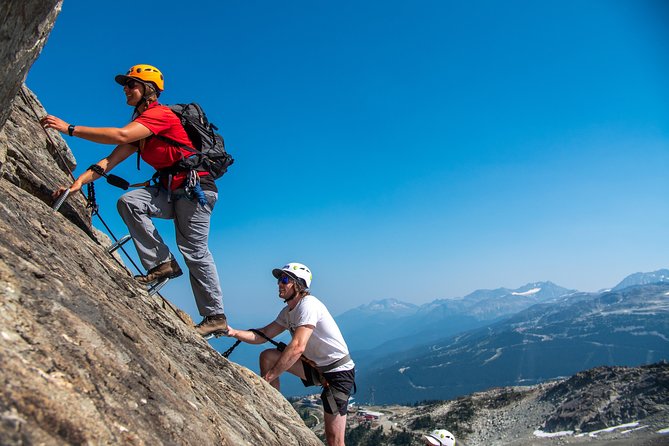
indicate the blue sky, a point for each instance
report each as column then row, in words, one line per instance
column 409, row 150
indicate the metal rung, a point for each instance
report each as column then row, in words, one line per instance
column 153, row 289
column 119, row 243
column 216, row 334
column 61, row 200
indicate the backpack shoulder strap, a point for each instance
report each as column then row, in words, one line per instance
column 176, row 143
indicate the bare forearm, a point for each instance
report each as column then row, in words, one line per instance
column 89, row 176
column 119, row 154
column 246, row 336
column 102, row 135
column 288, row 357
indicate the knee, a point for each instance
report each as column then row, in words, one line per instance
column 123, row 205
column 128, row 205
column 267, row 359
column 196, row 254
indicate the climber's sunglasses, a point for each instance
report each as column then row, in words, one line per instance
column 131, row 84
column 284, row 279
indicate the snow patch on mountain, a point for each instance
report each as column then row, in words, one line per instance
column 437, row 366
column 498, row 353
column 594, row 434
column 389, row 305
column 542, row 434
column 526, row 293
column 415, row 386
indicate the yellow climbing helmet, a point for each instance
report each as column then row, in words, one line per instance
column 145, row 73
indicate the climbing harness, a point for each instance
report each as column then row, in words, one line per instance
column 192, row 188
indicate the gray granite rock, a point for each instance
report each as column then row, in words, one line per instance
column 39, row 161
column 24, row 29
column 88, row 357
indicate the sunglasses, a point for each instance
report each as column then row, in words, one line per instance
column 131, row 84
column 284, row 279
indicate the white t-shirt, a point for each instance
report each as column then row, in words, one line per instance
column 326, row 344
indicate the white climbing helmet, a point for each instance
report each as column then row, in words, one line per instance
column 440, row 437
column 296, row 271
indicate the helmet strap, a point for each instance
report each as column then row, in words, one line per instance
column 148, row 92
column 138, row 106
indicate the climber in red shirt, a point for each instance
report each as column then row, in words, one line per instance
column 151, row 126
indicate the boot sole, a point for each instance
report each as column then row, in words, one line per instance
column 154, row 281
column 215, row 334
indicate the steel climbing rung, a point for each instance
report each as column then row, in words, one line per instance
column 120, row 242
column 216, row 334
column 59, row 202
column 153, row 289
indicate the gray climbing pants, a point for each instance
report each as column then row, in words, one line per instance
column 191, row 223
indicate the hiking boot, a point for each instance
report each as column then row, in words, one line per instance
column 167, row 270
column 212, row 324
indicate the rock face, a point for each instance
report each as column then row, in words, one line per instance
column 36, row 161
column 24, row 28
column 86, row 355
column 603, row 397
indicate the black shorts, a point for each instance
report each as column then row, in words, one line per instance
column 342, row 381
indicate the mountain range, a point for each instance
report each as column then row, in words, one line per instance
column 658, row 276
column 370, row 326
column 548, row 340
column 384, row 332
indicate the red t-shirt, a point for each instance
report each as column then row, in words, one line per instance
column 159, row 154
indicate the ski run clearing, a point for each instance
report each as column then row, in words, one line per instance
column 593, row 434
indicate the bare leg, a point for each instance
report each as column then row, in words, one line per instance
column 335, row 428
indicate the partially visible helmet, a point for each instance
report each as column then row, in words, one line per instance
column 440, row 437
column 144, row 73
column 296, row 271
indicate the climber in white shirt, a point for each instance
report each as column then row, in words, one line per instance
column 317, row 352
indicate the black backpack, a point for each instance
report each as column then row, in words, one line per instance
column 209, row 151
